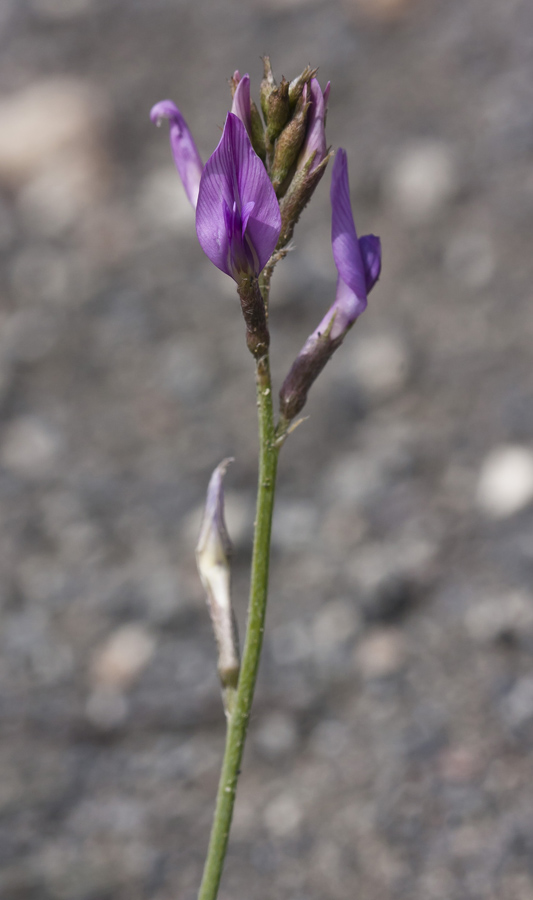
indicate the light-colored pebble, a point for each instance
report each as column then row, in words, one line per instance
column 422, row 179
column 335, row 624
column 67, row 116
column 505, row 484
column 380, row 365
column 106, row 708
column 276, row 735
column 163, row 204
column 283, row 816
column 30, row 447
column 295, row 524
column 381, row 653
column 119, row 661
column 494, row 618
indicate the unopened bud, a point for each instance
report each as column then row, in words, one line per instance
column 257, row 135
column 267, row 86
column 306, row 368
column 297, row 85
column 213, row 560
column 289, row 142
column 278, row 110
column 298, row 196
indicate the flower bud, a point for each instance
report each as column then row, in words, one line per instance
column 289, row 142
column 267, row 86
column 298, row 196
column 278, row 110
column 213, row 560
column 297, row 85
column 257, row 135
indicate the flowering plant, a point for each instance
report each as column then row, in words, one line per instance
column 248, row 198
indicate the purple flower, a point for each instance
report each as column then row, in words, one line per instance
column 315, row 138
column 184, row 150
column 358, row 262
column 237, row 217
column 241, row 106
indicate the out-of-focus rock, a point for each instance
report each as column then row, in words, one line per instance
column 381, row 654
column 163, row 203
column 507, row 617
column 380, row 364
column 505, row 484
column 388, row 578
column 119, row 661
column 295, row 524
column 28, row 335
column 59, row 196
column 276, row 735
column 106, row 708
column 47, row 120
column 283, row 816
column 333, row 626
column 61, row 10
column 517, row 705
column 422, row 179
column 30, row 447
column 470, row 257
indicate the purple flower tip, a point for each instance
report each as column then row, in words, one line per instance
column 237, row 217
column 186, row 157
column 241, row 100
column 315, row 138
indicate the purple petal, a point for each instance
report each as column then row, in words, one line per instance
column 370, row 247
column 236, row 236
column 315, row 138
column 184, row 150
column 241, row 101
column 346, row 249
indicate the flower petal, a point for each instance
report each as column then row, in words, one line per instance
column 241, row 102
column 370, row 247
column 315, row 138
column 184, row 150
column 234, row 177
column 346, row 249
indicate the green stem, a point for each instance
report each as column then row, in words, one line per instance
column 238, row 720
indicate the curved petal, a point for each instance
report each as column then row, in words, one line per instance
column 370, row 247
column 241, row 102
column 315, row 138
column 184, row 150
column 346, row 249
column 235, row 182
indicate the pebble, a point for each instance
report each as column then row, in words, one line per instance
column 283, row 816
column 276, row 735
column 517, row 705
column 422, row 179
column 30, row 447
column 29, row 335
column 65, row 113
column 381, row 654
column 505, row 484
column 387, row 577
column 119, row 661
column 380, row 365
column 333, row 626
column 509, row 616
column 163, row 205
column 295, row 524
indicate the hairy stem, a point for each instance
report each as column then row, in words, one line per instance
column 242, row 701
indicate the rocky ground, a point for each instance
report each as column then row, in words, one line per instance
column 390, row 753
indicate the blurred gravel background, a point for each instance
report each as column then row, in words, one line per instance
column 390, row 746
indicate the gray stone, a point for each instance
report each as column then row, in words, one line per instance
column 505, row 484
column 422, row 179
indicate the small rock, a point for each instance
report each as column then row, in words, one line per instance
column 387, row 578
column 380, row 365
column 163, row 203
column 333, row 626
column 66, row 115
column 30, row 447
column 29, row 335
column 123, row 656
column 106, row 708
column 470, row 257
column 517, row 705
column 283, row 816
column 422, row 179
column 294, row 525
column 276, row 735
column 501, row 618
column 290, row 644
column 505, row 484
column 381, row 654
